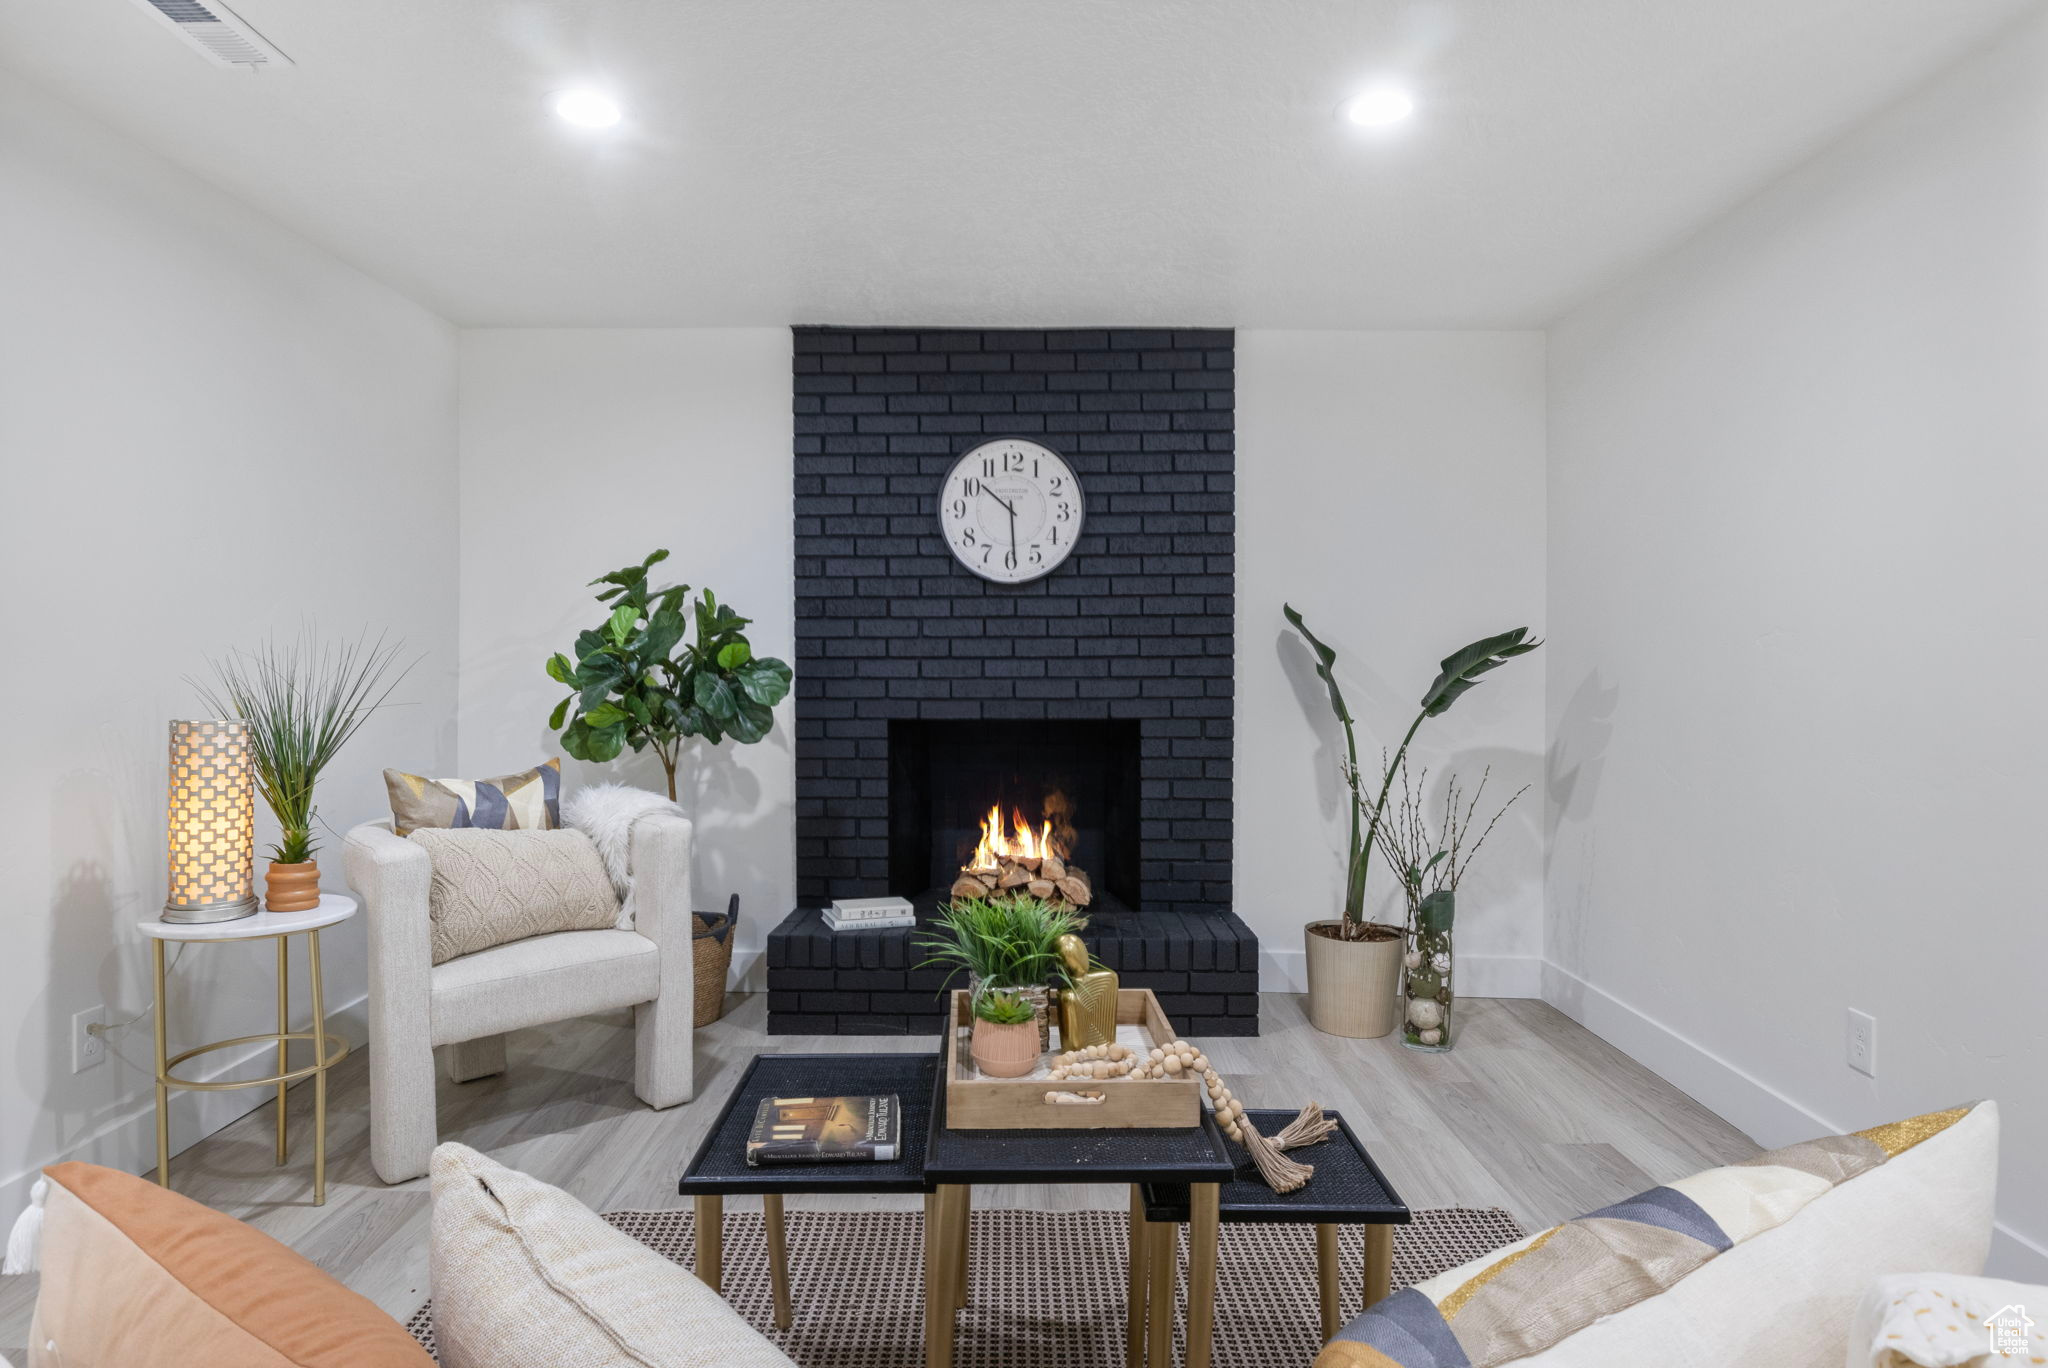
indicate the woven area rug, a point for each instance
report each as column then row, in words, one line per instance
column 1047, row 1287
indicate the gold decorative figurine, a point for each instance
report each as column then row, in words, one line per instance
column 1088, row 1005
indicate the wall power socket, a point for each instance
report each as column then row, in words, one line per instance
column 88, row 1047
column 1862, row 1044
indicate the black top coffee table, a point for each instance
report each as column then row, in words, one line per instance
column 1348, row 1189
column 720, row 1168
column 1196, row 1157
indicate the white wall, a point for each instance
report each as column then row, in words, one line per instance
column 1390, row 487
column 583, row 450
column 1796, row 601
column 209, row 430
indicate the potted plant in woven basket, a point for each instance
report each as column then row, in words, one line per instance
column 639, row 681
column 1354, row 965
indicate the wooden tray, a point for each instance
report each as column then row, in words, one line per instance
column 977, row 1103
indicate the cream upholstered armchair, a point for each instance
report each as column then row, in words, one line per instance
column 467, row 1004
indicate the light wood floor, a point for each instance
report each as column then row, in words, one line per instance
column 1531, row 1112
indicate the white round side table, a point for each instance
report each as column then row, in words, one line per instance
column 328, row 1050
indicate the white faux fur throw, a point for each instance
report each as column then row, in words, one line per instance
column 606, row 813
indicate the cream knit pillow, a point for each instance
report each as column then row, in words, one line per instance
column 525, row 1274
column 490, row 887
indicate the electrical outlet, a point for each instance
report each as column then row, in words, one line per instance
column 88, row 1046
column 1863, row 1042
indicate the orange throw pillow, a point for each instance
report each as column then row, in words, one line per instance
column 135, row 1275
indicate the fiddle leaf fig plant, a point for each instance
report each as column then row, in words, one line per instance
column 638, row 681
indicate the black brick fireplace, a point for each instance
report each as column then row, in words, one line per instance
column 925, row 693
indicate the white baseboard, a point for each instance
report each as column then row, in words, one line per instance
column 128, row 1142
column 1495, row 976
column 749, row 972
column 1752, row 1106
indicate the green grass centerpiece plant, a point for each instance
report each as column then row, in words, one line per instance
column 1005, row 942
column 639, row 682
column 303, row 701
column 1350, row 993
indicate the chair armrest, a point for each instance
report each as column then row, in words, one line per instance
column 393, row 877
column 660, row 849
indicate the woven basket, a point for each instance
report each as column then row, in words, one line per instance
column 711, row 959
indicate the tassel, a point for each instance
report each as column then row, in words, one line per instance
column 1309, row 1128
column 1282, row 1174
column 25, row 1244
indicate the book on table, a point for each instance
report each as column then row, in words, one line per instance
column 833, row 923
column 847, row 910
column 820, row 1130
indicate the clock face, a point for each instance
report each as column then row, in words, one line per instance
column 1011, row 510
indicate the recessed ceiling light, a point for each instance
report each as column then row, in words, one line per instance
column 587, row 108
column 1378, row 108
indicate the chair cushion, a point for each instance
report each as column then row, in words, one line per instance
column 136, row 1275
column 1758, row 1263
column 527, row 801
column 491, row 887
column 547, row 978
column 524, row 1274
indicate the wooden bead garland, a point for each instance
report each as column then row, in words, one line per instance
column 1281, row 1173
column 1096, row 1061
column 1177, row 1059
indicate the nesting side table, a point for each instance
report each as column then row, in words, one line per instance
column 328, row 1050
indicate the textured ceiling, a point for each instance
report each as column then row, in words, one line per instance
column 1029, row 162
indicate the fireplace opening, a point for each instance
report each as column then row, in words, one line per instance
column 1074, row 782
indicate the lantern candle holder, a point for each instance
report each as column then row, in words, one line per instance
column 212, row 823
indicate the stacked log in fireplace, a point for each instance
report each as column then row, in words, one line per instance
column 1018, row 859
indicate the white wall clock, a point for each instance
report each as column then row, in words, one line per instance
column 1011, row 510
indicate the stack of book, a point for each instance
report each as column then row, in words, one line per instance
column 869, row 914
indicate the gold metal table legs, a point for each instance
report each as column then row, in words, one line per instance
column 1379, row 1262
column 945, row 1277
column 328, row 1050
column 710, row 1230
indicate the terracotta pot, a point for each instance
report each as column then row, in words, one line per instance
column 291, row 887
column 1005, row 1051
column 1354, row 986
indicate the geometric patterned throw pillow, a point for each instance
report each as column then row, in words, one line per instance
column 1524, row 1298
column 530, row 800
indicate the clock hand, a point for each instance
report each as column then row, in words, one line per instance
column 1000, row 500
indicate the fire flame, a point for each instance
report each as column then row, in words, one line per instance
column 997, row 842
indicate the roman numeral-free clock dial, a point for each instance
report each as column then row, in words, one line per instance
column 1011, row 510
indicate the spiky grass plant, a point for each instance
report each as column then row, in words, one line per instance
column 1003, row 942
column 303, row 700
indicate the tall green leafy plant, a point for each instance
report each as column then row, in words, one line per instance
column 1457, row 674
column 302, row 701
column 638, row 681
column 1010, row 941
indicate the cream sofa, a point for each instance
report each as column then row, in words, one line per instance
column 465, row 1005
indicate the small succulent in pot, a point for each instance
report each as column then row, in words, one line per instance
column 1005, row 1033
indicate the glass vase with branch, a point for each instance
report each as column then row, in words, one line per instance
column 1430, row 860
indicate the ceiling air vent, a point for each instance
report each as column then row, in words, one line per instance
column 224, row 37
